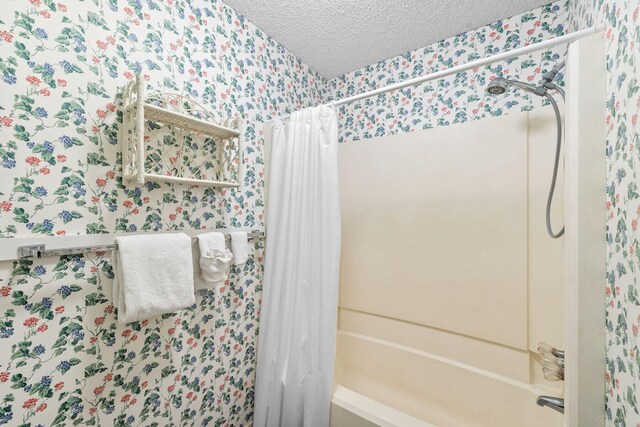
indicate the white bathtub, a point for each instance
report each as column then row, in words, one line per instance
column 351, row 409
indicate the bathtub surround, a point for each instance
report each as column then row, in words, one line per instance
column 296, row 351
column 62, row 65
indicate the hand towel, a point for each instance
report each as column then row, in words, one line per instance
column 239, row 247
column 153, row 275
column 199, row 282
column 214, row 258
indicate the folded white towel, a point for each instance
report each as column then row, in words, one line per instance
column 153, row 275
column 214, row 258
column 197, row 272
column 239, row 247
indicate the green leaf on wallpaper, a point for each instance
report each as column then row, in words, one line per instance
column 166, row 371
column 51, row 5
column 95, row 299
column 49, row 158
column 24, row 21
column 97, row 20
column 631, row 398
column 96, row 228
column 91, row 209
column 93, row 369
column 49, row 80
column 20, row 215
column 121, row 224
column 97, row 89
column 61, row 266
column 21, row 133
column 169, row 25
column 23, row 103
column 19, row 298
column 97, row 159
column 21, row 50
column 632, row 191
column 633, row 295
column 22, row 185
column 169, row 198
column 59, row 419
column 18, row 380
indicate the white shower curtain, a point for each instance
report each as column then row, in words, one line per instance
column 296, row 347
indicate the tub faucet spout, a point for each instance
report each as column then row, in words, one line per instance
column 555, row 403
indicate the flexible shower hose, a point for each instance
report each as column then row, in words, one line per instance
column 556, row 165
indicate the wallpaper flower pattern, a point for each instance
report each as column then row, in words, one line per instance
column 622, row 202
column 63, row 64
column 457, row 98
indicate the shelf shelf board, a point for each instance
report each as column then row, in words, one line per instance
column 183, row 121
column 190, row 181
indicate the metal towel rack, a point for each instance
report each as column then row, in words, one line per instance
column 40, row 250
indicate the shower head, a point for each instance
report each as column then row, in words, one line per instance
column 498, row 86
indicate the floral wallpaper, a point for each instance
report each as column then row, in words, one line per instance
column 63, row 64
column 457, row 98
column 623, row 201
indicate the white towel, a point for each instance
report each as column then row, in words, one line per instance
column 239, row 247
column 197, row 272
column 153, row 275
column 214, row 259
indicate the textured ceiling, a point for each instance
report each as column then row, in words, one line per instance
column 337, row 36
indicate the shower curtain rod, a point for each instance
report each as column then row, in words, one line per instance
column 567, row 38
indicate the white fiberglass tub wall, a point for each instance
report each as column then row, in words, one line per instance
column 449, row 280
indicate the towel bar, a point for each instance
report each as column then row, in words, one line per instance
column 40, row 251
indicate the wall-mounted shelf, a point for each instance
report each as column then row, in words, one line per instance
column 169, row 137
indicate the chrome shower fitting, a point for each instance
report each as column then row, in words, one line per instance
column 500, row 85
column 555, row 403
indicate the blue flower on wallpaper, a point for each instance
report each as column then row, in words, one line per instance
column 64, row 290
column 66, row 141
column 40, row 191
column 9, row 78
column 45, row 381
column 63, row 366
column 47, row 69
column 39, row 350
column 41, row 113
column 6, row 331
column 41, row 33
column 47, row 147
column 67, row 67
